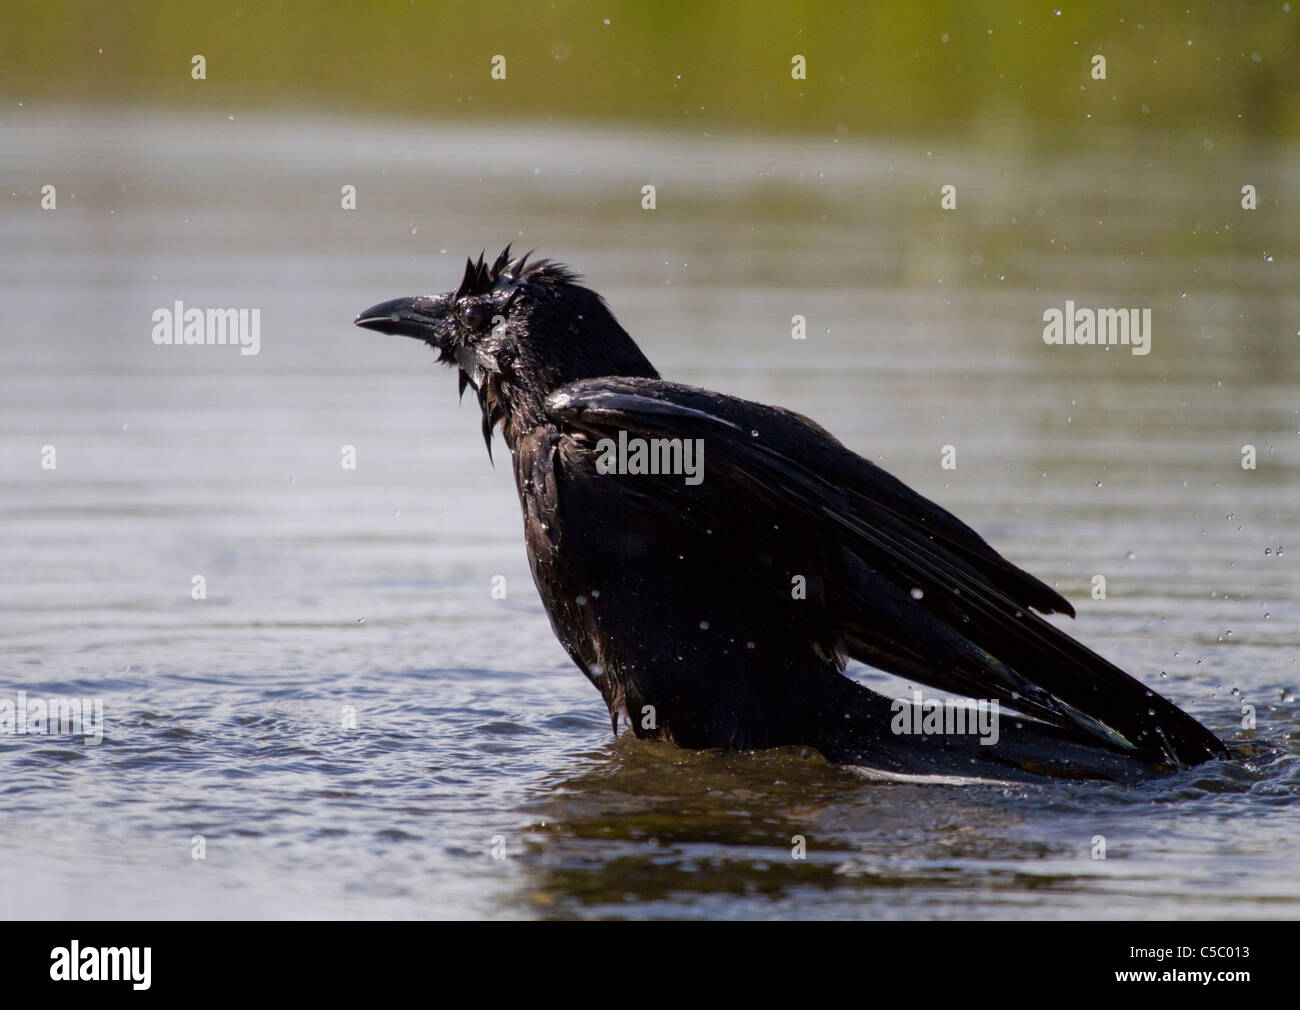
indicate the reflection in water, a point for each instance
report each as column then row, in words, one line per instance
column 653, row 830
column 369, row 589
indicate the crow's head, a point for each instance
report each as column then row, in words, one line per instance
column 515, row 331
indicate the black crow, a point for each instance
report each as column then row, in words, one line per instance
column 713, row 590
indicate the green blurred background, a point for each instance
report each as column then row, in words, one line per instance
column 1227, row 68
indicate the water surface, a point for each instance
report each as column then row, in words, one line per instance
column 329, row 588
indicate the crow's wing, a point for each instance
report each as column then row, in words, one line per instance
column 958, row 589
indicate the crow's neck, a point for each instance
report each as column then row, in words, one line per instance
column 516, row 405
column 516, row 395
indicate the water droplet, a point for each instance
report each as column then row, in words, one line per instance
column 917, row 593
column 704, row 625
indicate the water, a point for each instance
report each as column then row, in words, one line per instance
column 371, row 588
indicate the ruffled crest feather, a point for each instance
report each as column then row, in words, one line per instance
column 481, row 278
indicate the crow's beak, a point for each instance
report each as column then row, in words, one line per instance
column 399, row 317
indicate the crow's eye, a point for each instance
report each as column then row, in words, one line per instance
column 472, row 315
